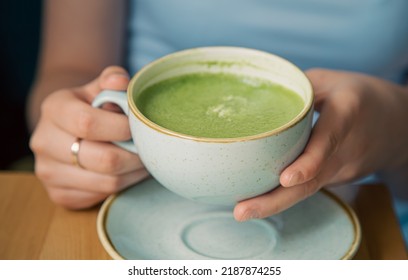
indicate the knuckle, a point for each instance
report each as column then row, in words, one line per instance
column 39, row 142
column 85, row 123
column 354, row 101
column 111, row 184
column 60, row 197
column 36, row 144
column 42, row 171
column 48, row 105
column 311, row 165
column 71, row 200
column 350, row 102
column 312, row 169
column 110, row 161
column 65, row 199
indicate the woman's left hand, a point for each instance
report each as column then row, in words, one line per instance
column 362, row 129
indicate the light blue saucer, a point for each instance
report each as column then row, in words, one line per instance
column 149, row 222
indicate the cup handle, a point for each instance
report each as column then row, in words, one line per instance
column 118, row 98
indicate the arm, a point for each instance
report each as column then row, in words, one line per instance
column 80, row 38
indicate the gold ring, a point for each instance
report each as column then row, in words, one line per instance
column 75, row 151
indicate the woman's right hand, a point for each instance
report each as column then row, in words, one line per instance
column 104, row 169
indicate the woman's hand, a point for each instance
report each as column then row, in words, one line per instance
column 66, row 115
column 362, row 129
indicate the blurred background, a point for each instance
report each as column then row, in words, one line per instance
column 20, row 24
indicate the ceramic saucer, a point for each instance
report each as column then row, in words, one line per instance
column 147, row 221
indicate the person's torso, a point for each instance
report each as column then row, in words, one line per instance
column 369, row 36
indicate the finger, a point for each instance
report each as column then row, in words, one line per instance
column 101, row 157
column 327, row 136
column 112, row 77
column 60, row 174
column 115, row 78
column 78, row 118
column 283, row 198
column 271, row 203
column 107, row 158
column 74, row 198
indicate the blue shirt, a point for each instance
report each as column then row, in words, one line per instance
column 368, row 36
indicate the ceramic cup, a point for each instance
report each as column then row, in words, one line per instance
column 216, row 170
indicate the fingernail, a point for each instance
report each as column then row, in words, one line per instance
column 249, row 215
column 116, row 76
column 296, row 179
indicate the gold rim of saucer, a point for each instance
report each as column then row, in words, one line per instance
column 354, row 219
column 133, row 108
column 110, row 249
column 101, row 230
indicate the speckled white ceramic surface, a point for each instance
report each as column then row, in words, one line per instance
column 148, row 221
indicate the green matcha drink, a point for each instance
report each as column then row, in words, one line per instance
column 218, row 105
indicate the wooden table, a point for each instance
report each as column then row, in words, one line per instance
column 32, row 227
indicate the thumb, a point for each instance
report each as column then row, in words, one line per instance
column 112, row 77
